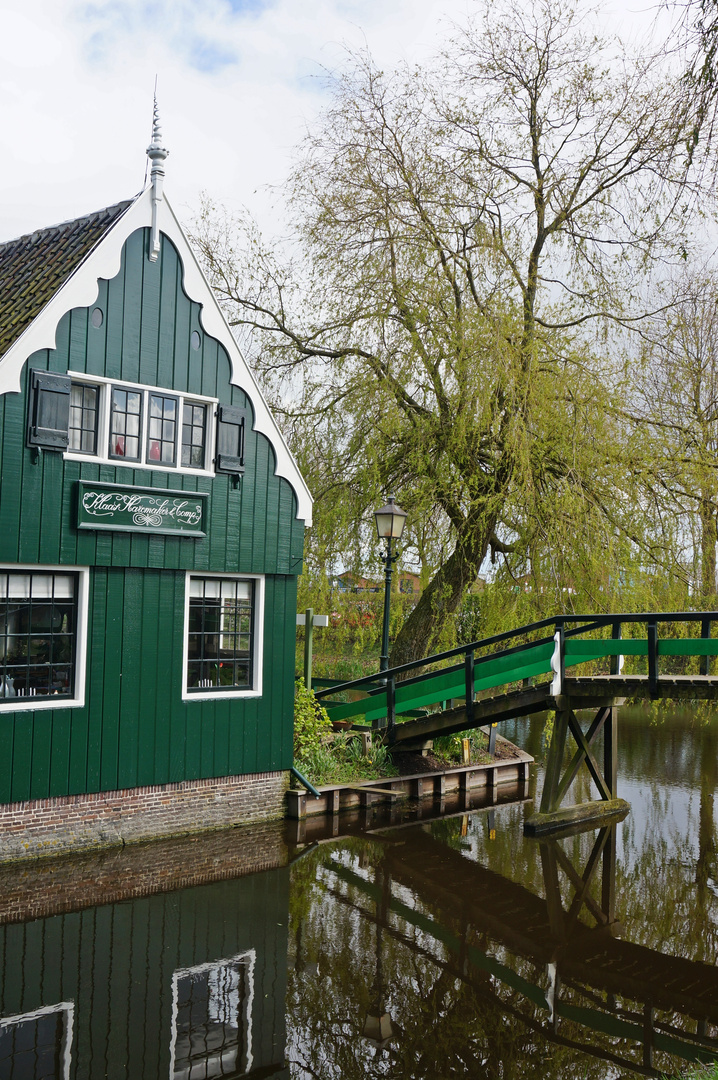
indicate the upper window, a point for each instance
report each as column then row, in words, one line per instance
column 122, row 423
column 125, row 424
column 38, row 635
column 83, row 418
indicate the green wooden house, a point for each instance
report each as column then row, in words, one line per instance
column 152, row 522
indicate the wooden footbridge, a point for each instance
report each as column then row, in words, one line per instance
column 564, row 665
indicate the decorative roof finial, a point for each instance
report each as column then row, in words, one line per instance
column 157, row 155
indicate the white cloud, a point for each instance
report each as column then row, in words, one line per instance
column 238, row 83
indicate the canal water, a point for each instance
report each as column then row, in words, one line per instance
column 449, row 946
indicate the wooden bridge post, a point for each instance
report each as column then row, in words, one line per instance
column 610, row 751
column 552, row 816
column 616, row 660
column 608, row 878
column 653, row 658
column 549, row 795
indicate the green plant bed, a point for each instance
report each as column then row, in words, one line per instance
column 324, row 756
column 448, row 748
column 338, row 759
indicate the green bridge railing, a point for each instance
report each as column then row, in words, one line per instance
column 574, row 640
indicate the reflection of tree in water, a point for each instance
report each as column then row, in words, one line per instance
column 666, row 874
column 449, row 1018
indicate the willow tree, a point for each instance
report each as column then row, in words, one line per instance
column 458, row 226
column 675, row 403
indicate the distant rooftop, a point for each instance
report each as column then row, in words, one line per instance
column 33, row 267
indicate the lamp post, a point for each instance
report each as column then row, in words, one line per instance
column 390, row 521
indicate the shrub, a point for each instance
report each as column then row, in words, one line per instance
column 311, row 723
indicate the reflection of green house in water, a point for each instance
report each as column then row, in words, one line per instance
column 152, row 533
column 196, row 989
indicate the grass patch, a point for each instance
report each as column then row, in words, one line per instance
column 338, row 759
column 448, row 748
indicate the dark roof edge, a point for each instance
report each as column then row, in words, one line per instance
column 124, row 203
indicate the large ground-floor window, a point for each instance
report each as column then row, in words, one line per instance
column 39, row 621
column 222, row 654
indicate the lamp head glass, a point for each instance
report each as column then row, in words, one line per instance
column 390, row 520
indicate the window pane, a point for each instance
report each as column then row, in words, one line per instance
column 126, row 408
column 162, row 436
column 193, row 435
column 82, row 429
column 220, row 634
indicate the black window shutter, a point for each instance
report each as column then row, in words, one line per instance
column 230, row 439
column 49, row 411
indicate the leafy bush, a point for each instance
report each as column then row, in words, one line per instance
column 311, row 723
column 339, row 760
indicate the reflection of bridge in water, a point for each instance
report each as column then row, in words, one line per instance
column 588, row 973
column 500, row 678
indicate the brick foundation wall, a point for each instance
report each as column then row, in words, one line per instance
column 41, row 827
column 36, row 888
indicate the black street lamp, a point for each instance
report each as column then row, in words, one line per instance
column 390, row 521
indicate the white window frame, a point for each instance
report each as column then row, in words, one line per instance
column 23, row 704
column 102, row 454
column 65, row 1007
column 248, row 959
column 258, row 639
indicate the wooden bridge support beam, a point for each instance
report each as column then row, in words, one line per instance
column 552, row 815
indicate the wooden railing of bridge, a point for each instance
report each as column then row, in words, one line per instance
column 537, row 667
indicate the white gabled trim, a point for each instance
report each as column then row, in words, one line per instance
column 81, row 290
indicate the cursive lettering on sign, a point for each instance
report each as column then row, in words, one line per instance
column 145, row 511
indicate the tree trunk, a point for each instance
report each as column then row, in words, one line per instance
column 709, row 537
column 421, row 633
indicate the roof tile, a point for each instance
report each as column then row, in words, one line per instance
column 33, row 267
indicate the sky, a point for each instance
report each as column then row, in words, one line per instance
column 239, row 82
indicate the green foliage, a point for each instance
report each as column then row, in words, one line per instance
column 447, row 331
column 350, row 646
column 339, row 760
column 448, row 747
column 311, row 723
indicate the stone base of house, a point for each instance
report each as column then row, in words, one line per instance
column 40, row 827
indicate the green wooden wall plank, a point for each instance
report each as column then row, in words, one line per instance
column 150, row 322
column 96, row 339
column 206, row 759
column 140, row 609
column 114, row 317
column 22, row 756
column 41, row 754
column 109, row 677
column 171, row 367
column 132, row 308
column 60, row 752
column 96, row 717
column 167, row 675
